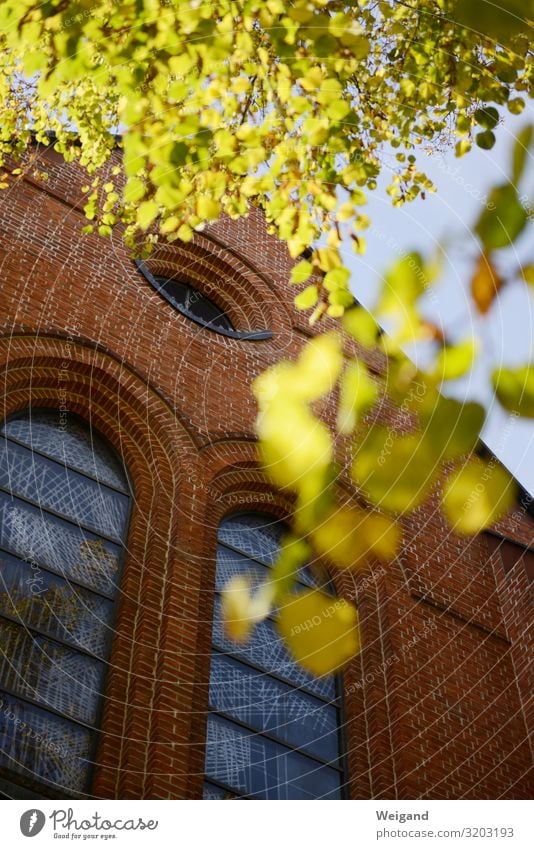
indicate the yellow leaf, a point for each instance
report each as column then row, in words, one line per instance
column 307, row 298
column 407, row 86
column 134, row 189
column 338, row 110
column 185, row 233
column 301, row 272
column 350, row 536
column 361, row 326
column 477, row 495
column 346, row 211
column 395, row 472
column 170, row 224
column 338, row 537
column 319, row 366
column 328, row 258
column 146, row 213
column 293, row 443
column 241, row 610
column 383, row 536
column 358, row 394
column 320, row 631
column 453, row 427
column 515, row 389
column 312, row 79
column 330, row 90
column 207, row 208
column 485, row 283
column 453, row 361
column 338, row 278
column 462, row 147
column 274, row 382
column 241, row 85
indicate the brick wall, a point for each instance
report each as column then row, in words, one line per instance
column 437, row 705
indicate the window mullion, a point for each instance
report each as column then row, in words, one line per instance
column 273, row 738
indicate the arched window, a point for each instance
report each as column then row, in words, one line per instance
column 64, row 502
column 273, row 730
column 197, row 306
column 193, row 303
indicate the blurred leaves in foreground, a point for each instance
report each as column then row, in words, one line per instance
column 395, row 466
column 296, row 108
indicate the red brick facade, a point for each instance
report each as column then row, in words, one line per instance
column 438, row 705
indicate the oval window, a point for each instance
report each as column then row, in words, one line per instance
column 198, row 307
column 193, row 303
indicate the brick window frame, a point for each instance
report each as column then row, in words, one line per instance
column 221, row 276
column 133, row 759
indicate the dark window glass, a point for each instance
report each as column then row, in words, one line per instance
column 231, row 563
column 211, row 791
column 513, row 553
column 62, row 494
column 273, row 729
column 40, row 538
column 262, row 769
column 193, row 303
column 53, row 486
column 44, row 746
column 257, row 536
column 55, row 607
column 68, row 440
column 267, row 704
column 49, row 673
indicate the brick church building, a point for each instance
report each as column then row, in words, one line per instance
column 130, row 490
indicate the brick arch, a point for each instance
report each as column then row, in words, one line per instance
column 223, row 276
column 236, row 483
column 157, row 450
column 231, row 471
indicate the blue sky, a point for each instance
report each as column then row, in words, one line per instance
column 447, row 217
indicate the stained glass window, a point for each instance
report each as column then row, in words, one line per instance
column 273, row 730
column 64, row 500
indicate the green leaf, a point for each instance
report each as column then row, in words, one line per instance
column 477, row 495
column 503, row 218
column 453, row 427
column 500, row 21
column 485, row 140
column 519, row 153
column 395, row 472
column 516, row 105
column 487, row 117
column 405, row 281
column 515, row 389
